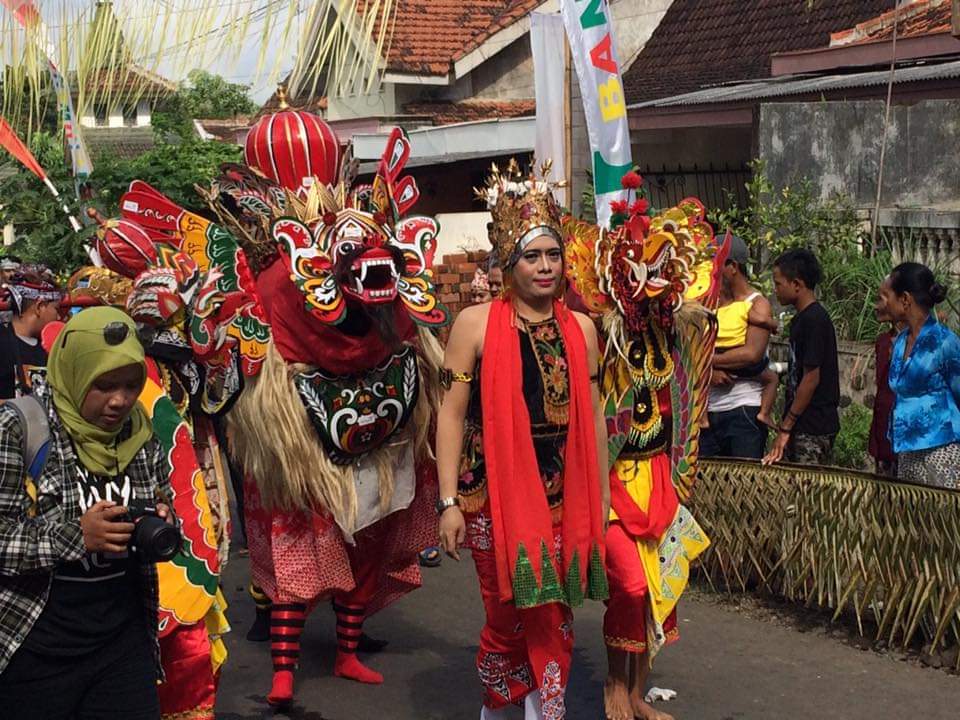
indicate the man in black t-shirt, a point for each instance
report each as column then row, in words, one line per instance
column 811, row 420
column 34, row 298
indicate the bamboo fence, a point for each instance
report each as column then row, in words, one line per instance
column 883, row 551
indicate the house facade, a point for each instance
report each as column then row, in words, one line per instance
column 695, row 90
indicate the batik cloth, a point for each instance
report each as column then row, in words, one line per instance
column 302, row 557
column 651, row 541
column 522, row 650
column 936, row 467
column 926, row 413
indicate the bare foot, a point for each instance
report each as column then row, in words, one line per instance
column 616, row 699
column 646, row 711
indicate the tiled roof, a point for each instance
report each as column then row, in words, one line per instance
column 226, row 129
column 130, row 79
column 921, row 17
column 124, row 142
column 430, row 35
column 447, row 113
column 699, row 44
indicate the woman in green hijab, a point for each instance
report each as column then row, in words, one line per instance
column 78, row 621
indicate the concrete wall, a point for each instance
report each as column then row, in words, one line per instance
column 582, row 161
column 508, row 75
column 378, row 102
column 633, row 23
column 837, row 145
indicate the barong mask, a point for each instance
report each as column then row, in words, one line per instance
column 644, row 266
column 345, row 248
column 642, row 275
column 181, row 311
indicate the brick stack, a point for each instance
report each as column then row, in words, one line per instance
column 453, row 276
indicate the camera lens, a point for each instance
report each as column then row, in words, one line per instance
column 155, row 539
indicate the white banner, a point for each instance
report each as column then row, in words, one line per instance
column 590, row 32
column 548, row 44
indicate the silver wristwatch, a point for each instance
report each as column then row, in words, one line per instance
column 444, row 503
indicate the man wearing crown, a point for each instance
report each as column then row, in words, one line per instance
column 521, row 457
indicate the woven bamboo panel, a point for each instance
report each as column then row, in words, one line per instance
column 837, row 539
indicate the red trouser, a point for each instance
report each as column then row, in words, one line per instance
column 625, row 621
column 190, row 688
column 522, row 650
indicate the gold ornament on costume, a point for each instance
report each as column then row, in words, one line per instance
column 91, row 286
column 523, row 208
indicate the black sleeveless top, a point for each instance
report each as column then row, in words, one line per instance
column 546, row 392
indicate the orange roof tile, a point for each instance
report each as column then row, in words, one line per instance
column 921, row 17
column 699, row 44
column 430, row 35
column 448, row 113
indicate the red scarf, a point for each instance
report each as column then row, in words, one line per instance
column 522, row 525
column 662, row 507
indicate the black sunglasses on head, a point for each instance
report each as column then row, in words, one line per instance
column 114, row 333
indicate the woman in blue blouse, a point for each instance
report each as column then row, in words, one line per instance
column 925, row 377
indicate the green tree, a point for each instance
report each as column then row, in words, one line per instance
column 42, row 229
column 204, row 95
column 171, row 168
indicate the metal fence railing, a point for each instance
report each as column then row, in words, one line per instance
column 715, row 187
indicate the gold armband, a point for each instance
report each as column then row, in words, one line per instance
column 448, row 377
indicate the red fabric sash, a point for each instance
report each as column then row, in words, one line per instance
column 518, row 502
column 301, row 338
column 663, row 502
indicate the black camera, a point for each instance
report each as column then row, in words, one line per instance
column 153, row 539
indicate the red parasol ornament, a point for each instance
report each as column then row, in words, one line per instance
column 294, row 147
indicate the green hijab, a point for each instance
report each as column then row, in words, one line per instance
column 79, row 356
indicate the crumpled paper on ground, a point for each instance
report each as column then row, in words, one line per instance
column 656, row 694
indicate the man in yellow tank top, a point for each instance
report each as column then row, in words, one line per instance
column 745, row 322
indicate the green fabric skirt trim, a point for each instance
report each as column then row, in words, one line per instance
column 527, row 593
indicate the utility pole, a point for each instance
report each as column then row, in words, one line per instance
column 955, row 16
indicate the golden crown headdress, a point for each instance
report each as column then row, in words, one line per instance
column 523, row 208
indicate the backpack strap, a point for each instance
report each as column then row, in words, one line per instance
column 36, row 442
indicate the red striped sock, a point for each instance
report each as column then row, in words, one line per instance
column 349, row 630
column 286, row 625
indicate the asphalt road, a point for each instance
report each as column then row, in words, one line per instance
column 726, row 666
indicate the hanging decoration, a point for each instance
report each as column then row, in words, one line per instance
column 116, row 53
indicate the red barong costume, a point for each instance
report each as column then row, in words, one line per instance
column 529, row 486
column 334, row 432
column 340, row 372
column 655, row 281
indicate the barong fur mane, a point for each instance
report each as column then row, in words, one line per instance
column 269, row 420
